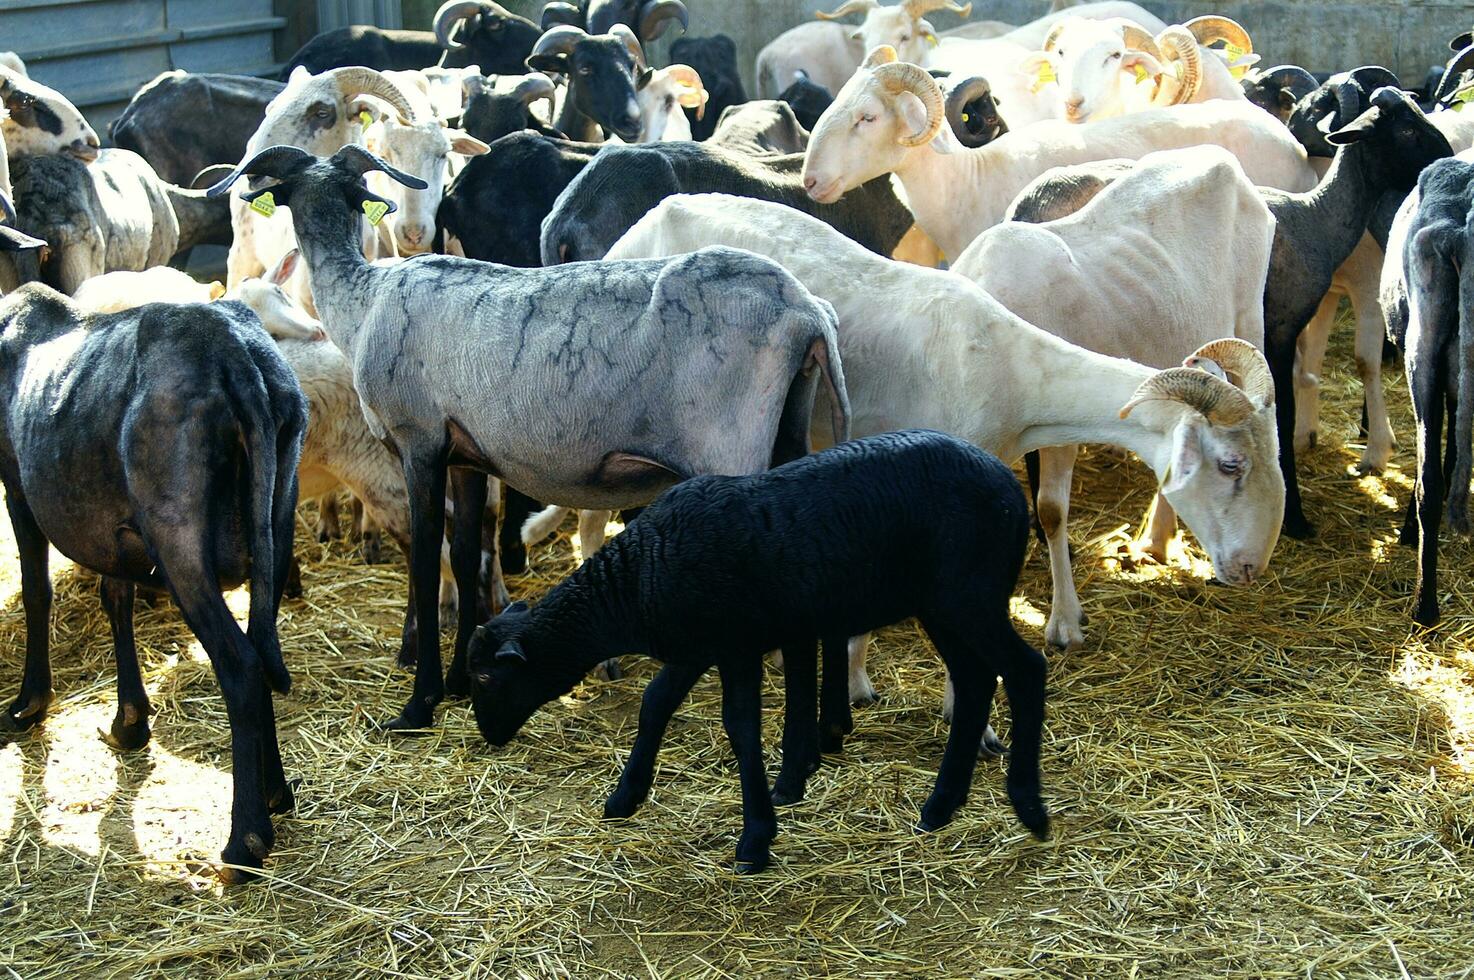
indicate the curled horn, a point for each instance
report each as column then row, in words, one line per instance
column 1373, row 77
column 1138, row 38
column 536, row 86
column 631, row 43
column 918, row 9
column 1215, row 399
column 656, row 16
column 559, row 40
column 279, row 162
column 965, row 91
column 1179, row 45
column 903, row 77
column 558, row 12
column 1453, row 74
column 882, row 54
column 1293, row 79
column 452, row 13
column 690, row 78
column 847, row 8
column 1212, row 28
column 1462, row 41
column 1244, row 365
column 1348, row 103
column 353, row 81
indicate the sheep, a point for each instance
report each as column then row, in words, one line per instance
column 496, row 107
column 721, row 569
column 418, row 144
column 158, row 448
column 715, row 60
column 448, row 354
column 663, row 99
column 762, row 127
column 181, row 122
column 648, row 18
column 1276, row 90
column 921, row 347
column 827, row 53
column 465, row 32
column 42, row 121
column 1108, row 68
column 604, row 73
column 114, row 214
column 1127, row 275
column 1429, row 300
column 889, row 118
column 808, row 99
column 621, row 183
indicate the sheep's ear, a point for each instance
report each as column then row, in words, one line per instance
column 464, row 143
column 217, row 288
column 511, row 650
column 645, row 77
column 1359, row 129
column 549, row 62
column 372, row 205
column 267, row 199
column 284, row 268
column 857, row 35
column 1187, row 457
column 912, row 112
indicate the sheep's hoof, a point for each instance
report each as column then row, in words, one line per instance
column 623, row 803
column 751, row 859
column 609, row 670
column 1299, row 528
column 992, row 746
column 416, row 718
column 786, row 796
column 129, row 729
column 24, row 716
column 1030, row 810
column 514, row 559
column 284, row 800
column 457, row 684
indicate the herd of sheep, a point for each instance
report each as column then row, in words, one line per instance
column 502, row 254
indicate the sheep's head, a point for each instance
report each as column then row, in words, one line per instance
column 502, row 105
column 1333, row 105
column 663, row 100
column 481, row 32
column 647, row 18
column 1276, row 90
column 321, row 113
column 42, row 122
column 604, row 72
column 1402, row 139
column 903, row 27
column 507, row 687
column 885, row 111
column 1220, row 468
column 279, row 314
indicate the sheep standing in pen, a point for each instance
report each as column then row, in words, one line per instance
column 929, row 348
column 463, row 32
column 158, row 447
column 720, row 570
column 707, row 363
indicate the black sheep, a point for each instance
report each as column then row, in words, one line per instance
column 720, row 570
column 466, row 32
column 715, row 60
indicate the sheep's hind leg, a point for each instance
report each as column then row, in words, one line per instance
column 424, row 477
column 742, row 717
column 662, row 696
column 800, row 732
column 35, row 694
column 835, row 718
column 130, row 724
column 470, row 488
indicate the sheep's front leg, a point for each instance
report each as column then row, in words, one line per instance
column 470, row 489
column 1161, row 524
column 1066, row 626
column 861, row 690
column 1370, row 331
column 742, row 717
column 663, row 695
column 800, row 730
column 130, row 724
column 35, row 578
column 424, row 478
column 1310, row 357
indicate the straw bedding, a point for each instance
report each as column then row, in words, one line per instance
column 1273, row 782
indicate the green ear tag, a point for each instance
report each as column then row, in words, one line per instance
column 366, row 118
column 265, row 205
column 375, row 211
column 1462, row 97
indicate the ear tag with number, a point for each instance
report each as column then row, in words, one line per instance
column 264, row 205
column 1044, row 76
column 375, row 211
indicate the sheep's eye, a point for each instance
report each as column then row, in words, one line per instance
column 585, row 71
column 905, row 38
column 1113, row 56
column 868, row 118
column 1232, row 467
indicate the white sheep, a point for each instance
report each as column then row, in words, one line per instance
column 41, row 120
column 888, row 118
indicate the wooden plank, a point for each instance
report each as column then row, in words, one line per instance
column 94, row 45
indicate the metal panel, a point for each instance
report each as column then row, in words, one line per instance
column 333, row 14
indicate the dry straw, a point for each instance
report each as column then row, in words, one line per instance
column 1273, row 782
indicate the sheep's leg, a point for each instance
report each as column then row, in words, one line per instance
column 1065, row 628
column 591, row 525
column 469, row 488
column 662, row 696
column 409, row 636
column 35, row 577
column 861, row 690
column 1161, row 524
column 328, row 526
column 130, row 725
column 370, row 533
column 1310, row 357
column 959, row 758
column 1428, row 410
column 992, row 747
column 518, row 508
column 424, row 478
column 1370, row 333
column 292, row 584
column 1280, row 353
column 800, row 732
column 1031, row 470
column 835, row 719
column 1023, row 670
column 742, row 717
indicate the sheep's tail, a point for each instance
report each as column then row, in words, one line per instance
column 538, row 526
column 824, row 353
column 1458, row 490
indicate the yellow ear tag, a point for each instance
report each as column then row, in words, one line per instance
column 265, row 205
column 1461, row 98
column 375, row 211
column 932, row 40
column 366, row 118
column 1234, row 53
column 1044, row 76
column 966, row 117
column 1141, row 74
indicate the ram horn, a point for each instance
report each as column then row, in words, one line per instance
column 1348, row 104
column 277, row 162
column 1180, row 46
column 1462, row 41
column 600, row 15
column 536, row 86
column 1244, row 365
column 847, row 8
column 557, row 12
column 1373, row 77
column 918, row 9
column 355, row 80
column 902, row 77
column 1139, row 39
column 7, row 208
column 359, row 161
column 964, row 92
column 449, row 15
column 1453, row 75
column 881, row 54
column 631, row 43
column 656, row 17
column 1212, row 28
column 559, row 40
column 1219, row 402
column 1291, row 78
column 695, row 95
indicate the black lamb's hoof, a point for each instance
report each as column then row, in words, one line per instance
column 622, row 804
column 1299, row 528
column 21, row 717
column 1031, row 811
column 129, row 731
column 514, row 559
column 284, row 800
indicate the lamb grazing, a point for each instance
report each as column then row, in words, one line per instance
column 1127, row 276
column 930, row 348
column 604, row 73
column 1109, row 68
column 889, row 119
column 720, row 570
column 622, row 183
column 715, row 60
column 465, row 32
column 1277, row 89
column 1429, row 299
column 449, row 353
column 828, row 53
column 496, row 107
column 158, row 448
column 114, row 214
column 42, row 121
column 182, row 122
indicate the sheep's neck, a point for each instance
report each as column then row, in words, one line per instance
column 587, row 619
column 938, row 186
column 1342, row 201
column 328, row 236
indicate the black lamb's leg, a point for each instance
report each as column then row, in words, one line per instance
column 35, row 578
column 519, row 507
column 663, row 695
column 800, row 729
column 742, row 717
column 130, row 724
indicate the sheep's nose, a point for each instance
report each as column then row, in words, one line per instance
column 413, row 236
column 1249, row 572
column 810, row 182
